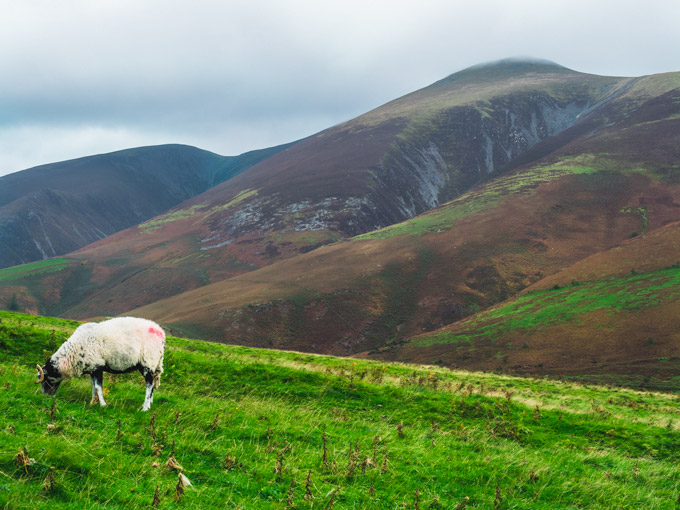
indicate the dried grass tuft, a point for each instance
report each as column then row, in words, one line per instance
column 22, row 459
column 173, row 464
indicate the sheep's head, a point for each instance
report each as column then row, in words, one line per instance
column 49, row 377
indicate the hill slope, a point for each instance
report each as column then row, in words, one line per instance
column 267, row 429
column 54, row 209
column 613, row 317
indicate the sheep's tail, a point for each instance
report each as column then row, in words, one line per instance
column 157, row 378
column 159, row 369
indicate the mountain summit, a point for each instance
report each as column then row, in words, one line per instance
column 521, row 65
column 505, row 68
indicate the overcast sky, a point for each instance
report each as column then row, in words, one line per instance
column 80, row 77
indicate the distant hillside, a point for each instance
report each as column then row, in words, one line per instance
column 616, row 178
column 612, row 317
column 54, row 209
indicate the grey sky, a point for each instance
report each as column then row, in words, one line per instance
column 80, row 77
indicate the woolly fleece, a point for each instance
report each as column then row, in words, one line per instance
column 118, row 344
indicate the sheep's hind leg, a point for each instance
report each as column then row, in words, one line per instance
column 95, row 397
column 149, row 379
column 97, row 379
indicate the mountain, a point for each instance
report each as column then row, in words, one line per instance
column 383, row 167
column 54, row 209
column 483, row 183
column 611, row 183
column 413, row 153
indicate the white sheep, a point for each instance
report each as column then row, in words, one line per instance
column 117, row 346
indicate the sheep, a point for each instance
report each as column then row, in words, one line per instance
column 117, row 346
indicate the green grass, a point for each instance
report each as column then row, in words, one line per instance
column 654, row 85
column 41, row 267
column 250, row 426
column 632, row 292
column 159, row 221
column 243, row 195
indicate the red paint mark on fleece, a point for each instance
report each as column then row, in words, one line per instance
column 159, row 333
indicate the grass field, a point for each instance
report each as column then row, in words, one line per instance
column 39, row 268
column 267, row 429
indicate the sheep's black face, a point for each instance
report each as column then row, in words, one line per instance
column 49, row 386
column 52, row 379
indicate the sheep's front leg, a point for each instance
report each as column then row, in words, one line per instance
column 148, row 399
column 95, row 398
column 97, row 379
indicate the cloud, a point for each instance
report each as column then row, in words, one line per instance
column 58, row 143
column 231, row 76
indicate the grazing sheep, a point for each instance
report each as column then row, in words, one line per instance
column 120, row 345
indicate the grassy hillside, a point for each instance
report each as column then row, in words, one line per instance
column 266, row 429
column 620, row 329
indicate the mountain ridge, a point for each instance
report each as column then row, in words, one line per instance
column 53, row 209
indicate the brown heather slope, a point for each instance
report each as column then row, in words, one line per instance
column 613, row 317
column 655, row 250
column 388, row 165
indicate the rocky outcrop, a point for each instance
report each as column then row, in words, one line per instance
column 461, row 148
